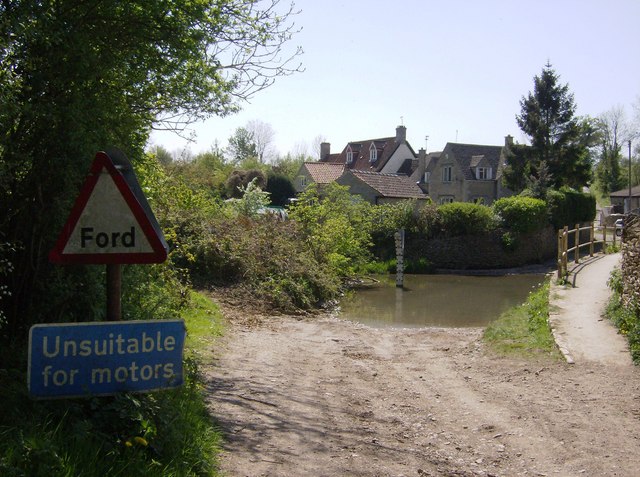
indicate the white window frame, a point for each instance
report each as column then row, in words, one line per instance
column 427, row 176
column 303, row 181
column 447, row 173
column 373, row 153
column 349, row 155
column 483, row 173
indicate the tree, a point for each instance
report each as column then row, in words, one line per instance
column 241, row 146
column 239, row 180
column 79, row 77
column 262, row 135
column 558, row 138
column 615, row 131
column 281, row 189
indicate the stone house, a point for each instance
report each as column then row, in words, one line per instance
column 386, row 155
column 463, row 173
column 620, row 198
column 379, row 187
column 322, row 173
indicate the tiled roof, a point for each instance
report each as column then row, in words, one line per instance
column 467, row 156
column 385, row 146
column 324, row 172
column 390, row 185
column 635, row 192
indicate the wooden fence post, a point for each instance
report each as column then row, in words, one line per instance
column 592, row 235
column 576, row 252
column 565, row 247
column 560, row 254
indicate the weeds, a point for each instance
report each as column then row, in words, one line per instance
column 167, row 433
column 524, row 330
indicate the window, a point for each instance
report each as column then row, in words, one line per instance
column 445, row 199
column 349, row 155
column 446, row 174
column 427, row 176
column 373, row 153
column 303, row 181
column 483, row 173
column 479, row 200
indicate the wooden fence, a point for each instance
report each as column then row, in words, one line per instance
column 564, row 250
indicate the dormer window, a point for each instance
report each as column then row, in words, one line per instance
column 373, row 153
column 427, row 176
column 483, row 173
column 349, row 155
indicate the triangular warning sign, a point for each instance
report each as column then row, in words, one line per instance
column 108, row 224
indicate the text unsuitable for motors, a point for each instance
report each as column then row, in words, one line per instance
column 80, row 359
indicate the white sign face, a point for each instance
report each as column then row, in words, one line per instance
column 107, row 224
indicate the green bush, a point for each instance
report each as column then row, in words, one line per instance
column 462, row 218
column 521, row 214
column 570, row 207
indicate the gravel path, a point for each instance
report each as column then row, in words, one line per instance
column 581, row 331
column 319, row 396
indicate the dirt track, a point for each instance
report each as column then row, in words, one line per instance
column 324, row 397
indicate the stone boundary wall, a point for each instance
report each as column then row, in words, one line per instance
column 484, row 251
column 631, row 261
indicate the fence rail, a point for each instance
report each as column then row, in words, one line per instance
column 564, row 250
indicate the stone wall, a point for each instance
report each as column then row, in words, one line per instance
column 631, row 261
column 484, row 251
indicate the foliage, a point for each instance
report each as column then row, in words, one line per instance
column 239, row 180
column 80, row 77
column 462, row 218
column 265, row 255
column 281, row 189
column 253, row 200
column 206, row 172
column 241, row 146
column 625, row 318
column 521, row 214
column 166, row 433
column 336, row 225
column 614, row 131
column 559, row 140
column 524, row 330
column 569, row 207
column 288, row 165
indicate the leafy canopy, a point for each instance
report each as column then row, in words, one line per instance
column 559, row 151
column 80, row 77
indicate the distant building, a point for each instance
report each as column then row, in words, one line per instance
column 464, row 173
column 619, row 197
column 320, row 173
column 381, row 188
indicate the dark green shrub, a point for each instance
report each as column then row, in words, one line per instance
column 521, row 214
column 569, row 207
column 462, row 218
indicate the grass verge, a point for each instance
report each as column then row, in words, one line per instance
column 167, row 433
column 524, row 330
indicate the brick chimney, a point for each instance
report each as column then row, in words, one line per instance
column 401, row 134
column 325, row 150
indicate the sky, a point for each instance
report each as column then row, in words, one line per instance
column 452, row 70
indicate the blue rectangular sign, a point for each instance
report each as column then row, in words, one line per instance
column 92, row 359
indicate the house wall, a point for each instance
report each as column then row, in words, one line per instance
column 358, row 187
column 438, row 188
column 475, row 189
column 298, row 182
column 635, row 202
column 394, row 163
